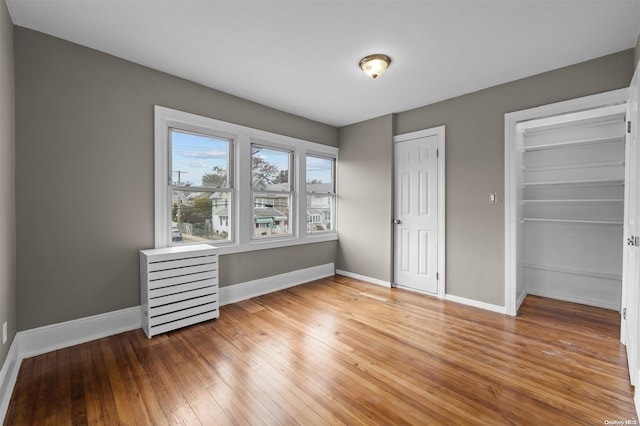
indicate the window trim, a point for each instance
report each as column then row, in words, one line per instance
column 229, row 189
column 291, row 193
column 332, row 193
column 242, row 212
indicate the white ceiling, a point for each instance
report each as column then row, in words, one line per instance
column 302, row 56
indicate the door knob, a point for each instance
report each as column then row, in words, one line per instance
column 397, row 221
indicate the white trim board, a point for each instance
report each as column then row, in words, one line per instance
column 247, row 290
column 448, row 297
column 636, row 400
column 363, row 278
column 475, row 303
column 520, row 300
column 8, row 376
column 37, row 341
column 414, row 290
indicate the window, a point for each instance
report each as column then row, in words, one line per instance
column 239, row 188
column 272, row 191
column 201, row 188
column 321, row 196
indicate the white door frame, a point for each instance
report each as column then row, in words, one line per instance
column 511, row 173
column 439, row 132
column 629, row 326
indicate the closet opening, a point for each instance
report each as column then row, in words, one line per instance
column 565, row 201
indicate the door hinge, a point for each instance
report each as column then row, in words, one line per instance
column 437, row 275
column 628, row 127
column 624, row 313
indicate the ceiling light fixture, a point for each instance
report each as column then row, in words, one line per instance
column 374, row 65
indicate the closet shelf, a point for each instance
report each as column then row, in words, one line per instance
column 574, row 201
column 587, row 273
column 596, row 182
column 590, row 165
column 598, row 116
column 590, row 222
column 574, row 144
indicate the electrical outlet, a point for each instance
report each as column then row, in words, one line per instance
column 4, row 333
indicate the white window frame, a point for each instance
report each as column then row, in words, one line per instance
column 241, row 213
column 230, row 190
column 291, row 192
column 333, row 193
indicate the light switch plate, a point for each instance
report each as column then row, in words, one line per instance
column 493, row 197
column 4, row 333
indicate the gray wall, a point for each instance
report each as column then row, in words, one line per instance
column 7, row 182
column 637, row 51
column 365, row 194
column 475, row 162
column 84, row 177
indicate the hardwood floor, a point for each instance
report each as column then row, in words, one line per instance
column 337, row 351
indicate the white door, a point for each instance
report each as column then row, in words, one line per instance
column 631, row 260
column 416, row 214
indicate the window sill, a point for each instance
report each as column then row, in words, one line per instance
column 264, row 245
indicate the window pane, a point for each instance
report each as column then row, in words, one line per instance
column 320, row 213
column 199, row 160
column 200, row 216
column 271, row 215
column 270, row 169
column 320, row 174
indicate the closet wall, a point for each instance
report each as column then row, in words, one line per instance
column 572, row 206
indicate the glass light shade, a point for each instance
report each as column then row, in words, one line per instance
column 374, row 65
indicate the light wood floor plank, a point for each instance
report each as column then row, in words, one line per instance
column 339, row 351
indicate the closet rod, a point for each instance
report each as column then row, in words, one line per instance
column 591, row 222
column 575, row 201
column 591, row 165
column 597, row 182
column 584, row 272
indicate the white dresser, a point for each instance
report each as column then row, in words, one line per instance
column 178, row 287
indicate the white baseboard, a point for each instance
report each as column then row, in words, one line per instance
column 247, row 290
column 521, row 298
column 457, row 299
column 49, row 338
column 363, row 278
column 580, row 300
column 8, row 376
column 415, row 290
column 476, row 303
